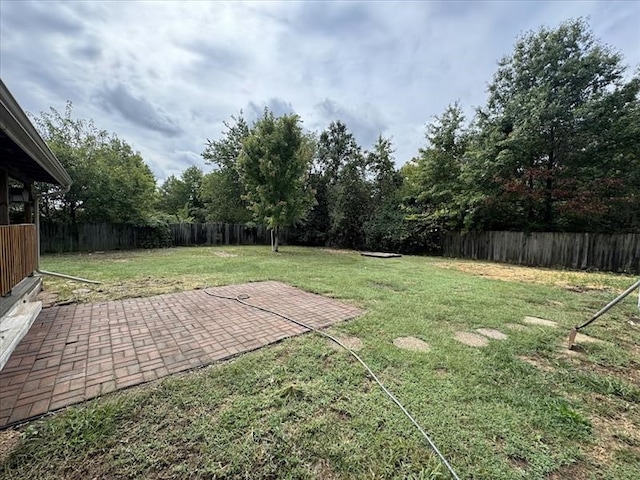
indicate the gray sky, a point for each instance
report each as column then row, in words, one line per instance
column 164, row 75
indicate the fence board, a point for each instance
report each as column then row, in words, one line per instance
column 613, row 253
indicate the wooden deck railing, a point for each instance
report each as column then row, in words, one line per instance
column 18, row 254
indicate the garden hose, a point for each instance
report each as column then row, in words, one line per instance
column 241, row 299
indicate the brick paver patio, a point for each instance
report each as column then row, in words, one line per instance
column 77, row 352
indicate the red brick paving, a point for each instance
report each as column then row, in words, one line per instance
column 77, row 352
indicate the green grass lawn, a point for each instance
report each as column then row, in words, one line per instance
column 519, row 408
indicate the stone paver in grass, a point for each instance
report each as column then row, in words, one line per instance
column 492, row 333
column 76, row 352
column 581, row 338
column 411, row 343
column 539, row 321
column 516, row 326
column 471, row 339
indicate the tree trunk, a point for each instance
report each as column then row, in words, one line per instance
column 530, row 216
column 548, row 192
column 275, row 249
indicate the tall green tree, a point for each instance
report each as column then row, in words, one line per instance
column 222, row 190
column 173, row 198
column 336, row 147
column 222, row 194
column 112, row 183
column 350, row 205
column 181, row 197
column 193, row 178
column 274, row 165
column 443, row 192
column 557, row 138
column 343, row 194
column 384, row 223
column 385, row 178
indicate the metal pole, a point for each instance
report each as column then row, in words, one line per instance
column 611, row 304
column 618, row 299
column 44, row 272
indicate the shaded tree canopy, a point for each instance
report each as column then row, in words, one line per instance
column 556, row 135
column 111, row 181
column 222, row 191
column 181, row 198
column 274, row 166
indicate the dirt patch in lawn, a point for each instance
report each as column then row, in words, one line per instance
column 337, row 251
column 223, row 254
column 573, row 280
column 613, row 435
column 491, row 333
column 130, row 288
column 471, row 339
column 323, row 469
column 353, row 343
column 411, row 343
column 540, row 363
column 9, row 441
column 578, row 357
column 576, row 470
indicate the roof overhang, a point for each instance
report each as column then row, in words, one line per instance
column 23, row 152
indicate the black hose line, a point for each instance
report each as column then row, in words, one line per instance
column 241, row 299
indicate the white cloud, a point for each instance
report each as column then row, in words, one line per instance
column 164, row 75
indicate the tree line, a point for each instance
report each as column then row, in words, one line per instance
column 555, row 148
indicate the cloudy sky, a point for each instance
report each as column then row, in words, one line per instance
column 164, row 75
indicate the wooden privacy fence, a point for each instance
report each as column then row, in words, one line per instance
column 56, row 238
column 614, row 253
column 219, row 234
column 18, row 255
column 87, row 237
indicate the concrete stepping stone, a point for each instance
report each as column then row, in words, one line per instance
column 492, row 333
column 471, row 339
column 411, row 343
column 516, row 326
column 539, row 321
column 581, row 338
column 380, row 254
